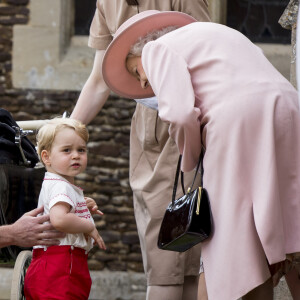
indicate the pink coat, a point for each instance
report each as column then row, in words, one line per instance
column 209, row 76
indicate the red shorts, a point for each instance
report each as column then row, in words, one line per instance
column 60, row 272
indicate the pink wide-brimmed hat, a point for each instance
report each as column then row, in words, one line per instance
column 114, row 70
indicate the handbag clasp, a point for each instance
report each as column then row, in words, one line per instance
column 198, row 201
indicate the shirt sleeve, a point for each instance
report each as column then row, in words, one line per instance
column 195, row 8
column 171, row 82
column 62, row 192
column 100, row 36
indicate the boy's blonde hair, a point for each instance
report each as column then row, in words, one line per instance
column 48, row 132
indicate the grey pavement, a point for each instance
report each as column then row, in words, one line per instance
column 119, row 286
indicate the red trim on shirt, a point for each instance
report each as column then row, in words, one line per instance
column 65, row 196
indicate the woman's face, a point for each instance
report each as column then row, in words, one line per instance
column 135, row 68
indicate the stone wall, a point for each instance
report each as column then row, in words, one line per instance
column 106, row 178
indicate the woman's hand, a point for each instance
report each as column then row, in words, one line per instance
column 92, row 206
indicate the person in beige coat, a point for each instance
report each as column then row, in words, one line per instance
column 153, row 154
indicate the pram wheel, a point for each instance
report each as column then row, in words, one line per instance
column 21, row 265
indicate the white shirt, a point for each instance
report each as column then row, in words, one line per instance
column 149, row 102
column 57, row 189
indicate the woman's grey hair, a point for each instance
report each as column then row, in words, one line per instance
column 137, row 48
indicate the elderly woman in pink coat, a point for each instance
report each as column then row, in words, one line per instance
column 217, row 89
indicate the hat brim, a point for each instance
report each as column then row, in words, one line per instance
column 114, row 70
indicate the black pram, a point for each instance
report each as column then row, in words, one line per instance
column 20, row 181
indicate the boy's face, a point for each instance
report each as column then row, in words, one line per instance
column 68, row 155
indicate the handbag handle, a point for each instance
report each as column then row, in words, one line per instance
column 200, row 162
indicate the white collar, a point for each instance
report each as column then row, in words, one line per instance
column 53, row 176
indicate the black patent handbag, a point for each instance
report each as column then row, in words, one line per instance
column 187, row 220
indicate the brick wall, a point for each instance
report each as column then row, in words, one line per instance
column 106, row 178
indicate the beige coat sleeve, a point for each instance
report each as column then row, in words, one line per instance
column 100, row 36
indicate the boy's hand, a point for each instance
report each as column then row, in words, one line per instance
column 92, row 206
column 98, row 239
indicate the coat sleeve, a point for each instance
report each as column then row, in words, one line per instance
column 171, row 82
column 100, row 36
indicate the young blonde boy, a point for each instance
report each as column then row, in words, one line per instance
column 61, row 272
